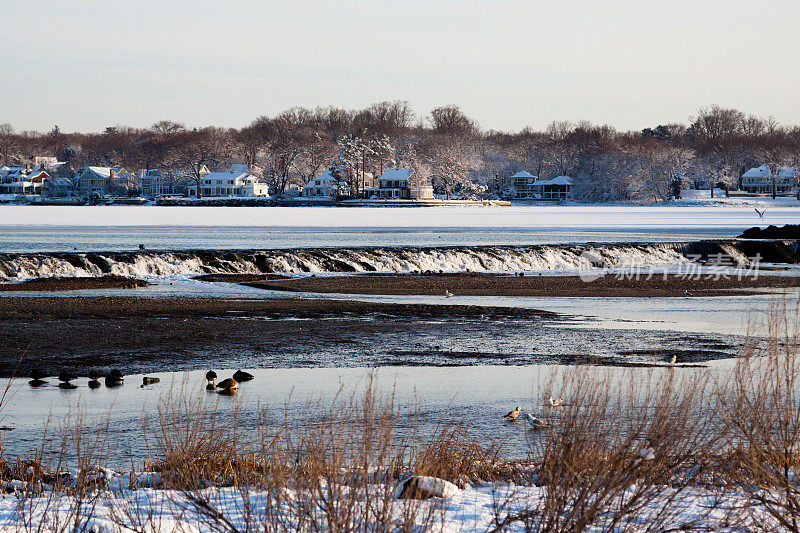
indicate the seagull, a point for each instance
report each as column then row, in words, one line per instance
column 760, row 213
column 673, row 359
column 537, row 423
column 687, row 293
column 555, row 402
column 448, row 294
column 645, row 454
column 512, row 415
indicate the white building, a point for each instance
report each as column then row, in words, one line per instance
column 22, row 180
column 323, row 186
column 759, row 180
column 229, row 184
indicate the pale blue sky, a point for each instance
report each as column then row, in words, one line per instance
column 87, row 64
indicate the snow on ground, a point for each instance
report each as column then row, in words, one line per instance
column 732, row 217
column 473, row 509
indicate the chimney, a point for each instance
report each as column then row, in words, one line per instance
column 28, row 168
column 111, row 174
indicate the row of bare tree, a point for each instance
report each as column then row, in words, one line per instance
column 445, row 147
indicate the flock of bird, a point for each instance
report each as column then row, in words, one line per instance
column 229, row 386
column 535, row 422
column 114, row 378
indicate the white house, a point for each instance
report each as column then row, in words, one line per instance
column 323, row 186
column 22, row 180
column 229, row 184
column 759, row 180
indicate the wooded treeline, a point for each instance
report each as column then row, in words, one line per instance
column 445, row 147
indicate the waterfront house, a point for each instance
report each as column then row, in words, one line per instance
column 231, row 184
column 155, row 182
column 527, row 186
column 101, row 181
column 324, row 186
column 22, row 179
column 522, row 183
column 760, row 180
column 400, row 184
column 557, row 188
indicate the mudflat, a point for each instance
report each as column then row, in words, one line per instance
column 480, row 284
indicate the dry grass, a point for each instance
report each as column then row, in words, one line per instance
column 623, row 451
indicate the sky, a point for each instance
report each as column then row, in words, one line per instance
column 88, row 64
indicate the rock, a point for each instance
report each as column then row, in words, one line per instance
column 425, row 487
column 67, row 385
column 37, row 382
column 789, row 231
column 149, row 380
column 37, row 374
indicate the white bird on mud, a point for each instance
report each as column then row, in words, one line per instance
column 512, row 415
column 645, row 454
column 555, row 402
column 687, row 293
column 537, row 423
column 448, row 294
column 673, row 359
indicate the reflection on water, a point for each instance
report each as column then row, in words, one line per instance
column 476, row 397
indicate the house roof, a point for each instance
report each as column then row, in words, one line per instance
column 326, row 177
column 787, row 172
column 396, row 174
column 104, row 171
column 759, row 172
column 225, row 175
column 558, row 180
column 523, row 174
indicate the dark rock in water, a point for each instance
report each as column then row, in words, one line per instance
column 789, row 231
column 149, row 381
column 96, row 374
column 93, row 384
column 67, row 385
column 37, row 382
column 66, row 375
column 37, row 374
column 241, row 375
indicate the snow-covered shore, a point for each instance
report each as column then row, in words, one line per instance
column 479, row 508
